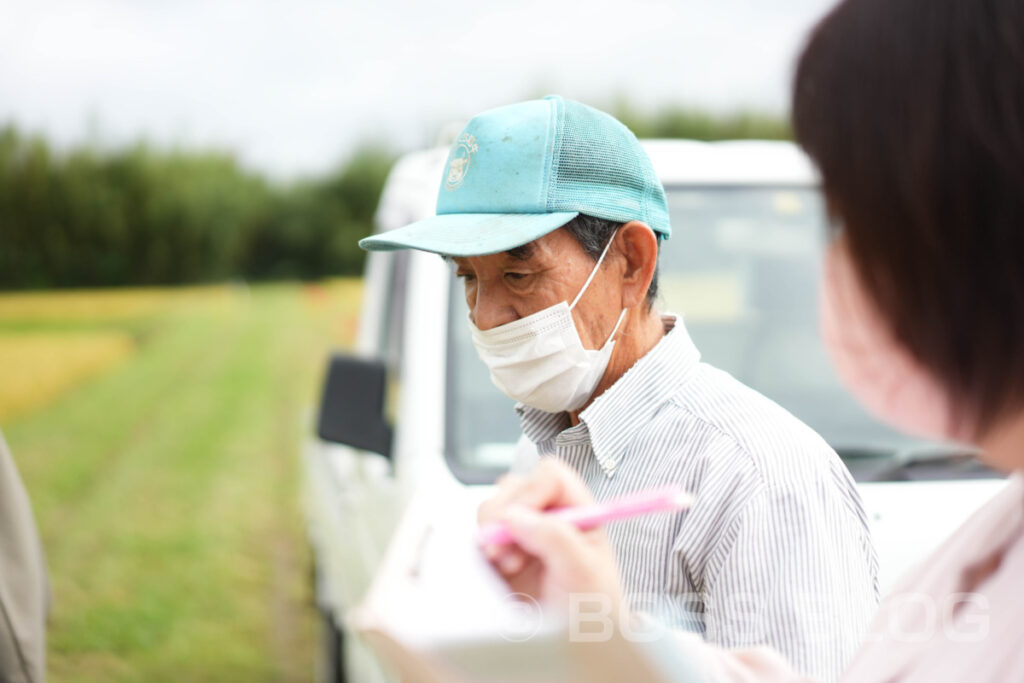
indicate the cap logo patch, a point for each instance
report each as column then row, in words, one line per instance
column 465, row 148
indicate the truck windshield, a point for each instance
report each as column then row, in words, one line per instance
column 742, row 269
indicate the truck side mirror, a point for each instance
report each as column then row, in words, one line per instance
column 352, row 406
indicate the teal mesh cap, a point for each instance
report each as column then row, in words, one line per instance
column 518, row 172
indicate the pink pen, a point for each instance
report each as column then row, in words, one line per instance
column 666, row 499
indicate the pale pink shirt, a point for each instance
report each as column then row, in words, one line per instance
column 958, row 617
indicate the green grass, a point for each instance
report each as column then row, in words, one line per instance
column 167, row 492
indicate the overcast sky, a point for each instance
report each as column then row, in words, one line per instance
column 294, row 85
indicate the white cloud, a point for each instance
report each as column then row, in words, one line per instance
column 295, row 86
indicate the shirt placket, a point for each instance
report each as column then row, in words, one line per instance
column 574, row 448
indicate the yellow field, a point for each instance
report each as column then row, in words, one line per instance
column 104, row 305
column 37, row 367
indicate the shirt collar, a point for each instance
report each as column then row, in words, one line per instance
column 615, row 416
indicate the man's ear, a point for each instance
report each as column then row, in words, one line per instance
column 639, row 247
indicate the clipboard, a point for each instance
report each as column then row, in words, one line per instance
column 437, row 612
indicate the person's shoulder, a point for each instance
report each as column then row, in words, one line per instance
column 24, row 587
column 777, row 445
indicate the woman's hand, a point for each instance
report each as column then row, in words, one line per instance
column 551, row 558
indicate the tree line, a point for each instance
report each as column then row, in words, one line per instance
column 141, row 215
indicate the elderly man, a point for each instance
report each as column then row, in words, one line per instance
column 552, row 214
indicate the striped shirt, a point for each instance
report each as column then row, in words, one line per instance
column 776, row 550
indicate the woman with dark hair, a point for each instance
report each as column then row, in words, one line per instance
column 913, row 110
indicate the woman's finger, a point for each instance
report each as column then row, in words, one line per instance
column 506, row 490
column 551, row 484
column 561, row 547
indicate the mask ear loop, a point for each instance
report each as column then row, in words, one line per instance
column 594, row 272
column 622, row 316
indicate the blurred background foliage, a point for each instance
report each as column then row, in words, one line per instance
column 139, row 215
column 701, row 124
column 92, row 216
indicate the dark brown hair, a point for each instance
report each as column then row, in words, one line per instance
column 914, row 112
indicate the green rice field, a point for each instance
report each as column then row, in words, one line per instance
column 158, row 432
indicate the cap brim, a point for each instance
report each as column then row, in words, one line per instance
column 469, row 234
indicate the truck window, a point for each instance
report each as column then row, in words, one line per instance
column 482, row 427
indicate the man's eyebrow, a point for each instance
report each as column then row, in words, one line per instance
column 521, row 253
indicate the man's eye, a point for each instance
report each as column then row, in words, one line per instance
column 515, row 276
column 466, row 277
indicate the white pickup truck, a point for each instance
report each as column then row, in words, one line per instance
column 413, row 402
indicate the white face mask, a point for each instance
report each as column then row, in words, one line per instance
column 540, row 361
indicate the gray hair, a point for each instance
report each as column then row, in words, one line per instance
column 593, row 234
